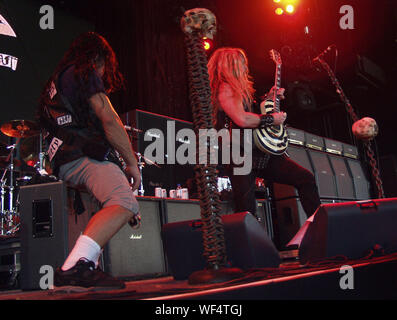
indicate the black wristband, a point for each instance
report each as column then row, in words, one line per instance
column 267, row 120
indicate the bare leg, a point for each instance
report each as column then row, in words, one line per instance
column 106, row 223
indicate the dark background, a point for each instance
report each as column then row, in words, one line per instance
column 150, row 46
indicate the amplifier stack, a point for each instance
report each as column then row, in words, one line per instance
column 339, row 175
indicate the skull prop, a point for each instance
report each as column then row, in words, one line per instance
column 365, row 129
column 199, row 19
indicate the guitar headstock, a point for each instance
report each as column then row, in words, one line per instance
column 275, row 56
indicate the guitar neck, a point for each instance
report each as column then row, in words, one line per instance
column 277, row 85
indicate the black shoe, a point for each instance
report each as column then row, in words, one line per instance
column 84, row 274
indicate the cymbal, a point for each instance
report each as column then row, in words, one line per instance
column 20, row 128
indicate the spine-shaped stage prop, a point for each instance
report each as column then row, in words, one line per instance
column 196, row 24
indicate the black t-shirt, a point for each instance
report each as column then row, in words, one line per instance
column 81, row 121
column 74, row 89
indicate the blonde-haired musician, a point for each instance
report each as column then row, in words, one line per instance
column 233, row 100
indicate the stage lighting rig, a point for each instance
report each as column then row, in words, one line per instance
column 285, row 6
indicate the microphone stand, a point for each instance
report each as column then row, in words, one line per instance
column 141, row 165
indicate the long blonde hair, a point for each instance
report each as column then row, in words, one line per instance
column 230, row 65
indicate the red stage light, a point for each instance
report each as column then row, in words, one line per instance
column 207, row 43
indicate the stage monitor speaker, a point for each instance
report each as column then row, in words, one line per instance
column 360, row 181
column 344, row 182
column 138, row 252
column 44, row 230
column 351, row 229
column 324, row 175
column 247, row 245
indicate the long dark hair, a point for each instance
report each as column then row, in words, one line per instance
column 88, row 50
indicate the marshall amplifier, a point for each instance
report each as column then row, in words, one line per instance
column 333, row 146
column 360, row 180
column 138, row 252
column 313, row 141
column 296, row 136
column 324, row 174
column 343, row 178
column 349, row 151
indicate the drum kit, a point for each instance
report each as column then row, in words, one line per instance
column 17, row 171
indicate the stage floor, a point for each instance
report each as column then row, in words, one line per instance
column 373, row 278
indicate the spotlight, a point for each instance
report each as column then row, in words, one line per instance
column 279, row 11
column 207, row 44
column 290, row 8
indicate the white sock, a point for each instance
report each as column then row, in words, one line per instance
column 86, row 248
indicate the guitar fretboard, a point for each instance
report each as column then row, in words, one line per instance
column 277, row 84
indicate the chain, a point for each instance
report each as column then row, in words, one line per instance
column 354, row 117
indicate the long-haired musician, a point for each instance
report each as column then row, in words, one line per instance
column 233, row 102
column 82, row 129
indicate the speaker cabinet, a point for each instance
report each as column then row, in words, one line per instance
column 138, row 252
column 53, row 216
column 351, row 229
column 360, row 181
column 343, row 179
column 324, row 174
column 247, row 245
column 184, row 210
column 300, row 156
column 44, row 230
